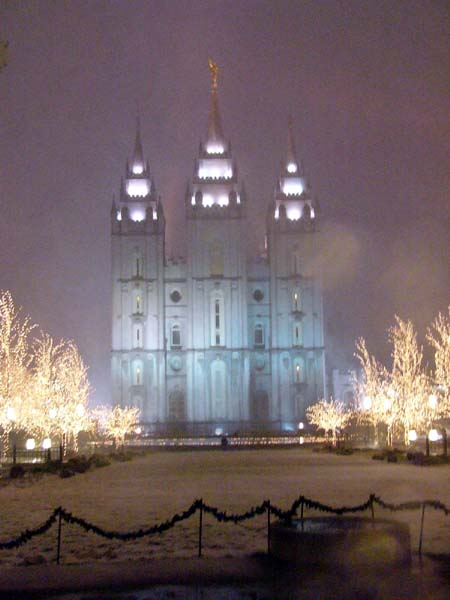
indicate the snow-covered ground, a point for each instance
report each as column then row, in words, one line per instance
column 151, row 488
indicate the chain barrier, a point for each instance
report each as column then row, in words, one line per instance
column 220, row 516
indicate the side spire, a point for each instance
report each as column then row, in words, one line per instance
column 215, row 141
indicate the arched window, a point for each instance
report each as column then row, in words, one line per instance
column 175, row 336
column 177, row 406
column 258, row 336
column 298, row 366
column 296, row 300
column 297, row 334
column 138, row 264
column 217, row 319
column 218, row 389
column 137, row 375
column 296, row 262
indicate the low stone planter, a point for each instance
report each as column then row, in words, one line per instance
column 342, row 542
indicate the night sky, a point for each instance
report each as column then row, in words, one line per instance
column 366, row 83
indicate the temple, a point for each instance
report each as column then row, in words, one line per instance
column 217, row 343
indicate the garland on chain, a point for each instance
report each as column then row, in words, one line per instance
column 412, row 505
column 219, row 515
column 28, row 534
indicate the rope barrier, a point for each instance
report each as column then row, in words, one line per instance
column 219, row 515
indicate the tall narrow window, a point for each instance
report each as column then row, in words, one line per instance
column 137, row 372
column 217, row 319
column 175, row 338
column 296, row 262
column 138, row 337
column 298, row 370
column 296, row 301
column 258, row 336
column 138, row 267
column 297, row 334
column 138, row 304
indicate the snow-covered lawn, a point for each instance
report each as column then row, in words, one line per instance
column 151, row 488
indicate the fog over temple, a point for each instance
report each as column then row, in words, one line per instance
column 217, row 342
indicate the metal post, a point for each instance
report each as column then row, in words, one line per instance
column 301, row 514
column 200, row 529
column 372, row 511
column 427, row 446
column 421, row 529
column 268, row 527
column 14, row 454
column 444, row 442
column 58, row 551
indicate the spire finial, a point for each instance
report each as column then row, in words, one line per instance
column 213, row 67
column 137, row 163
column 292, row 164
column 291, row 153
column 215, row 134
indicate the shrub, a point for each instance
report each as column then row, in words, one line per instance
column 51, row 466
column 16, row 472
column 392, row 457
column 344, row 451
column 120, row 456
column 66, row 472
column 378, row 456
column 97, row 460
column 78, row 464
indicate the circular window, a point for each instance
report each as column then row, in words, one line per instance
column 258, row 295
column 260, row 363
column 175, row 363
column 175, row 296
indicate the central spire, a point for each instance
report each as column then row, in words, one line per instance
column 138, row 165
column 215, row 143
column 291, row 164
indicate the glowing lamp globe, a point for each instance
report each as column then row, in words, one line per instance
column 301, row 425
column 138, row 430
column 302, row 440
column 30, row 444
column 10, row 413
column 433, row 435
column 412, row 435
column 47, row 444
column 432, row 401
column 367, row 403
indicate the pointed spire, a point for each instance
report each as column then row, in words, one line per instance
column 291, row 155
column 215, row 139
column 138, row 164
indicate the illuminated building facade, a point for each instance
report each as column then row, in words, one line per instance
column 216, row 342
